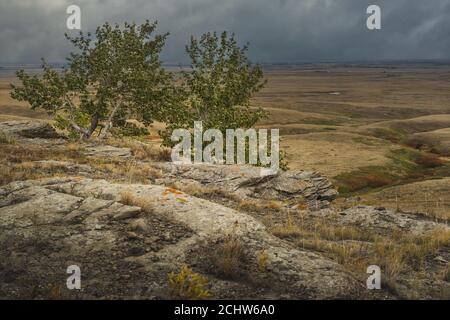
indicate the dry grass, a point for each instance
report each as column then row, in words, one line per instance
column 17, row 162
column 259, row 205
column 9, row 174
column 318, row 228
column 399, row 257
column 227, row 258
column 16, row 153
column 126, row 171
column 334, row 153
column 30, row 171
column 251, row 205
column 6, row 139
column 141, row 150
column 406, row 251
column 399, row 254
column 262, row 260
column 351, row 254
column 129, row 199
column 426, row 198
column 437, row 209
column 134, row 173
column 230, row 199
column 193, row 189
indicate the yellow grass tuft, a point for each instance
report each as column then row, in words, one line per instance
column 129, row 199
column 188, row 285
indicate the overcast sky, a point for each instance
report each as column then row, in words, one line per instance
column 278, row 30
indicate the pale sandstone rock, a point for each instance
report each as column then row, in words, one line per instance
column 105, row 151
column 246, row 182
column 29, row 129
column 67, row 207
column 380, row 220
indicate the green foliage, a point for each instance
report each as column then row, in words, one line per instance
column 188, row 285
column 113, row 76
column 218, row 88
column 284, row 164
column 63, row 123
column 129, row 130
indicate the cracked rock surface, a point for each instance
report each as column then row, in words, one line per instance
column 247, row 182
column 47, row 225
column 29, row 129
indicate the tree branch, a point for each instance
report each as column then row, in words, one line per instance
column 84, row 132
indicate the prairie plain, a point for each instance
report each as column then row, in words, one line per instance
column 375, row 130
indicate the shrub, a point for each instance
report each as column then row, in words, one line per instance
column 188, row 285
column 228, row 257
column 129, row 129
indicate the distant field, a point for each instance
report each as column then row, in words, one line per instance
column 368, row 129
column 10, row 108
column 372, row 130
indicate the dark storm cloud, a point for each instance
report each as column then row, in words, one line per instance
column 278, row 30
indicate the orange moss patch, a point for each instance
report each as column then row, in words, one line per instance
column 172, row 191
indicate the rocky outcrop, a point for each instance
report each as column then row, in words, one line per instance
column 29, row 129
column 126, row 238
column 126, row 250
column 106, row 151
column 292, row 187
column 380, row 220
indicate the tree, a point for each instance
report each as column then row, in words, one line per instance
column 219, row 85
column 115, row 76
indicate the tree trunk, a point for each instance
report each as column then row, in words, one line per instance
column 85, row 134
column 94, row 123
column 77, row 128
column 109, row 122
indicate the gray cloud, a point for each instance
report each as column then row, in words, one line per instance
column 278, row 30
